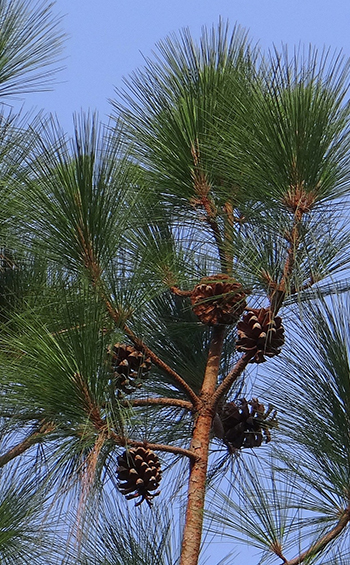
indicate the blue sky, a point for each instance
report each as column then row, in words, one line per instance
column 106, row 39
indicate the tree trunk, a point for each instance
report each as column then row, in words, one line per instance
column 200, row 446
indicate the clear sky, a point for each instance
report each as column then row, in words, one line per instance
column 106, row 40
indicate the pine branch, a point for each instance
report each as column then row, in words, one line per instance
column 95, row 272
column 218, row 240
column 178, row 292
column 31, row 440
column 159, row 402
column 102, row 427
column 231, row 378
column 202, row 188
column 210, row 218
column 299, row 202
column 159, row 447
column 153, row 356
column 323, row 542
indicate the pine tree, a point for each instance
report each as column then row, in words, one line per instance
column 170, row 326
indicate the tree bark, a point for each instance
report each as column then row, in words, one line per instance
column 200, row 446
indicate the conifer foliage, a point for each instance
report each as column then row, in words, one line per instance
column 170, row 335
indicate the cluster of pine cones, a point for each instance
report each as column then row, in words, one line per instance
column 219, row 299
column 216, row 300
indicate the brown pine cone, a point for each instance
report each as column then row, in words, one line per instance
column 129, row 366
column 246, row 424
column 139, row 473
column 218, row 299
column 260, row 332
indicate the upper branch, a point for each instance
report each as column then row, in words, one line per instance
column 232, row 376
column 95, row 272
column 202, row 188
column 298, row 202
column 210, row 218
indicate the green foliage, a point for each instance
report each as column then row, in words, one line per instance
column 173, row 105
column 222, row 161
column 23, row 536
column 30, row 41
column 300, row 495
column 296, row 134
column 317, row 380
column 126, row 538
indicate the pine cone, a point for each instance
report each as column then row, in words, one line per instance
column 139, row 473
column 129, row 367
column 261, row 333
column 218, row 299
column 246, row 424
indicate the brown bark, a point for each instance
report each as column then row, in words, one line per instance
column 200, row 447
column 159, row 401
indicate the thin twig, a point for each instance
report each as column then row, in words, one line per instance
column 124, row 441
column 306, row 285
column 88, row 475
column 299, row 202
column 218, row 240
column 156, row 447
column 231, row 378
column 175, row 290
column 228, row 235
column 162, row 365
column 153, row 356
column 21, row 447
column 324, row 541
column 202, row 188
